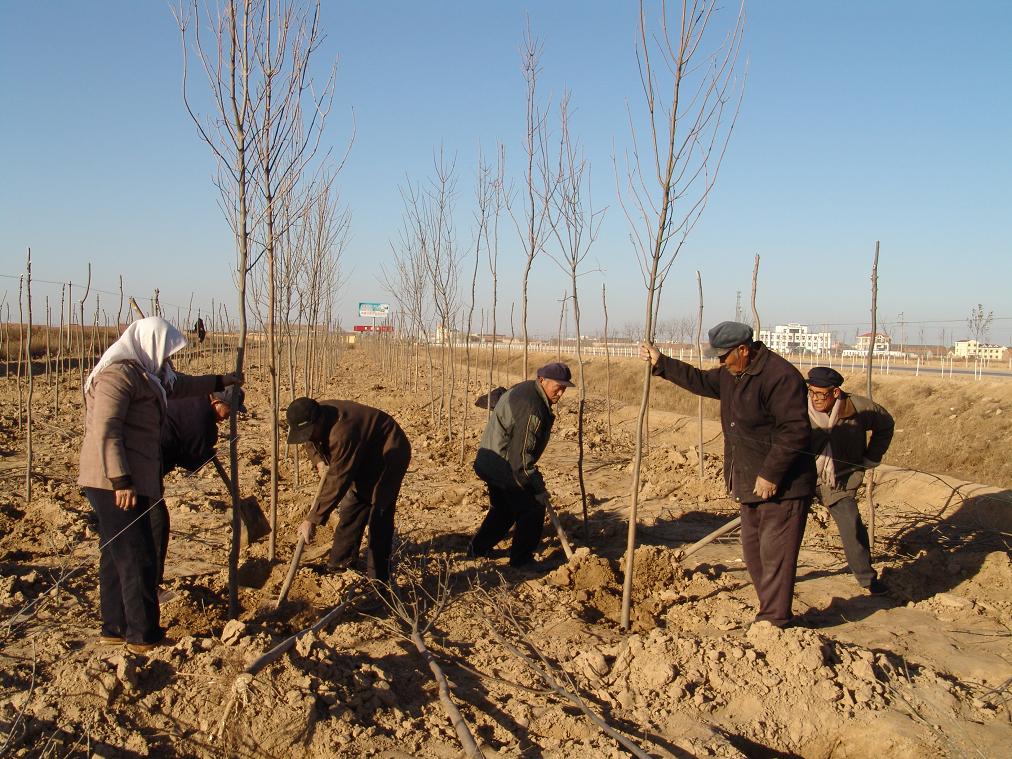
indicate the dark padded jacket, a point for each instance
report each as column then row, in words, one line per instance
column 849, row 440
column 515, row 437
column 189, row 434
column 764, row 415
column 359, row 444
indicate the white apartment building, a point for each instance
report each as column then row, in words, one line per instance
column 973, row 349
column 795, row 338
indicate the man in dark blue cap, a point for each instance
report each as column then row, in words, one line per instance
column 843, row 453
column 767, row 468
column 362, row 455
column 514, row 439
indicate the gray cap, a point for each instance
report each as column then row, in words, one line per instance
column 727, row 335
column 233, row 395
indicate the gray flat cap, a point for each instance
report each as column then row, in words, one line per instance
column 727, row 335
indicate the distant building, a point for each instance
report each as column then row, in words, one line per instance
column 882, row 342
column 973, row 349
column 795, row 338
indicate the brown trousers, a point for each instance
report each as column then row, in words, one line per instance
column 771, row 533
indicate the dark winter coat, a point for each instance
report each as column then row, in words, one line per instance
column 514, row 439
column 189, row 434
column 850, row 443
column 358, row 442
column 764, row 415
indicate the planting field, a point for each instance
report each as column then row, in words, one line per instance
column 924, row 671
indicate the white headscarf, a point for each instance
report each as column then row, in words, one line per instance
column 149, row 342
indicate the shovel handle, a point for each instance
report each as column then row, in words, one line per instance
column 286, row 586
column 567, row 549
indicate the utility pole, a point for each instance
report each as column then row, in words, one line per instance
column 903, row 334
column 737, row 307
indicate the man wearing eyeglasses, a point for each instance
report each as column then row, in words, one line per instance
column 767, row 468
column 843, row 453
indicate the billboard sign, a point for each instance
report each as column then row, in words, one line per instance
column 373, row 328
column 374, row 310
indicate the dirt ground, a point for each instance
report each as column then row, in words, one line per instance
column 924, row 671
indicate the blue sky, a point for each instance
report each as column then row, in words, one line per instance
column 861, row 121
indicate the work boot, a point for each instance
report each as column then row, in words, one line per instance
column 876, row 588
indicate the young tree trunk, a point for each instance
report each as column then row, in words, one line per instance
column 59, row 358
column 80, row 341
column 755, row 287
column 581, row 407
column 871, row 355
column 49, row 329
column 31, row 385
column 699, row 363
column 607, row 359
column 21, row 349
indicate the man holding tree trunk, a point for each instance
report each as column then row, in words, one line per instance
column 515, row 437
column 767, row 468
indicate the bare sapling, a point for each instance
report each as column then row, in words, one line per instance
column 21, row 349
column 49, row 329
column 5, row 336
column 243, row 683
column 227, row 60
column 699, row 363
column 31, row 383
column 870, row 487
column 607, row 358
column 692, row 98
column 500, row 200
column 80, row 334
column 533, row 225
column 407, row 282
column 757, row 324
column 575, row 225
column 119, row 308
column 484, row 197
column 416, row 598
column 496, row 612
column 562, row 321
column 59, row 357
column 509, row 346
column 432, row 219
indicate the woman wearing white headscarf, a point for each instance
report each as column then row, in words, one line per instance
column 121, row 469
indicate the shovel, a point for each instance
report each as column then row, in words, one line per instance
column 294, row 567
column 255, row 525
column 562, row 533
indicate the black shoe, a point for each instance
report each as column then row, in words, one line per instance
column 526, row 562
column 471, row 553
column 876, row 588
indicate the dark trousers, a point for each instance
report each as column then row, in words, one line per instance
column 855, row 539
column 771, row 534
column 370, row 503
column 159, row 516
column 127, row 569
column 509, row 507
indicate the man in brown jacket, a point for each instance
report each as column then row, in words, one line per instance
column 767, row 468
column 843, row 453
column 362, row 455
